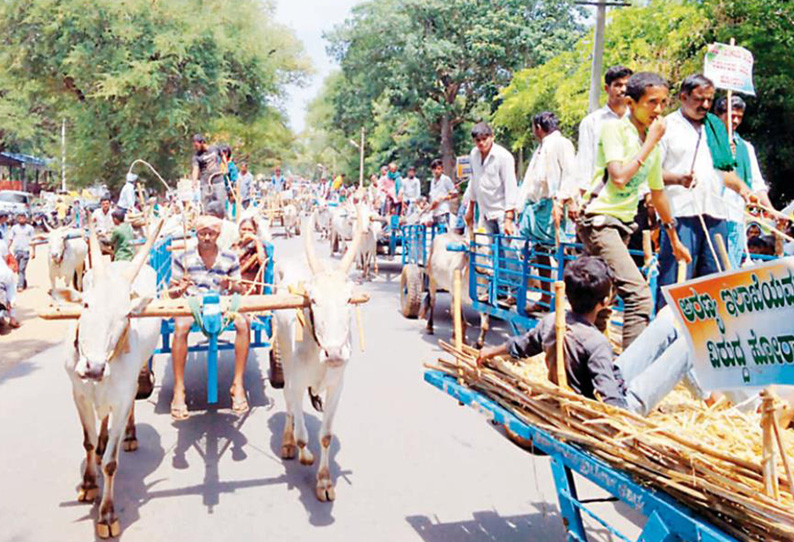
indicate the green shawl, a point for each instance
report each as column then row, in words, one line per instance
column 720, row 147
column 743, row 169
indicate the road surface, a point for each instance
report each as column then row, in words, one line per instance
column 409, row 463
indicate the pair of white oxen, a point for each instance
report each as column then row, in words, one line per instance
column 104, row 364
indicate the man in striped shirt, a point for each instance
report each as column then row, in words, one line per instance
column 204, row 269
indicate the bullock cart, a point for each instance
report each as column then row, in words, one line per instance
column 667, row 518
column 505, row 277
column 416, row 241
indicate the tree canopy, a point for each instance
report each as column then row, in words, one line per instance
column 670, row 38
column 134, row 79
column 414, row 71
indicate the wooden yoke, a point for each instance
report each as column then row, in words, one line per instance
column 171, row 308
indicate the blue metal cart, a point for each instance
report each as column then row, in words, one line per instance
column 668, row 520
column 416, row 241
column 261, row 325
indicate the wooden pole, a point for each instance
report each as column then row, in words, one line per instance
column 457, row 316
column 361, row 161
column 681, row 271
column 782, row 449
column 360, row 326
column 768, row 458
column 559, row 328
column 723, row 252
column 647, row 247
column 730, row 115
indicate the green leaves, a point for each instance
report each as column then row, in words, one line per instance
column 136, row 78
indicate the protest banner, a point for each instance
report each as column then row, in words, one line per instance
column 739, row 325
column 730, row 67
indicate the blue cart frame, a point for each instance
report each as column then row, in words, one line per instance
column 261, row 325
column 668, row 520
column 416, row 241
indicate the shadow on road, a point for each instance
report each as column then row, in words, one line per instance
column 304, row 478
column 488, row 526
column 20, row 370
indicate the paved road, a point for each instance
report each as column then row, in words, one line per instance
column 409, row 463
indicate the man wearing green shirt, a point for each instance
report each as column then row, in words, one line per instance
column 627, row 159
column 121, row 238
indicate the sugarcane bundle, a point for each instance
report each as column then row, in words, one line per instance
column 709, row 458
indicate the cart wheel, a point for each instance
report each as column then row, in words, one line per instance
column 276, row 371
column 411, row 290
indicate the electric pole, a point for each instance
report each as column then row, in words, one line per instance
column 598, row 48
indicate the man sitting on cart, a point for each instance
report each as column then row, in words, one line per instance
column 204, row 269
column 638, row 379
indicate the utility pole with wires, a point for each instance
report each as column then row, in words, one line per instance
column 598, row 47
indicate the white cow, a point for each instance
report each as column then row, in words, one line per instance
column 367, row 255
column 323, row 222
column 440, row 269
column 67, row 256
column 291, row 220
column 105, row 350
column 318, row 361
column 342, row 225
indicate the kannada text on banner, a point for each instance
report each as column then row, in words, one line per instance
column 730, row 67
column 740, row 325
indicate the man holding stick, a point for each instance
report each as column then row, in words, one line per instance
column 697, row 160
column 204, row 269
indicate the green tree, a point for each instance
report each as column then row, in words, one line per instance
column 435, row 61
column 134, row 79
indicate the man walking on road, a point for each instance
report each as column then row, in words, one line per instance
column 19, row 244
column 493, row 184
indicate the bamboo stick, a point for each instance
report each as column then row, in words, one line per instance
column 457, row 315
column 360, row 326
column 723, row 252
column 681, row 271
column 647, row 247
column 559, row 328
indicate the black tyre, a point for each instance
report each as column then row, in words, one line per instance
column 411, row 290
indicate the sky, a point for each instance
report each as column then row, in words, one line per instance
column 309, row 19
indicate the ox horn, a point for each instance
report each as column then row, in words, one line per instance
column 311, row 254
column 97, row 263
column 350, row 255
column 143, row 255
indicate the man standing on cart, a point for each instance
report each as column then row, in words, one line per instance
column 493, row 184
column 629, row 159
column 549, row 185
column 207, row 171
column 442, row 190
column 204, row 269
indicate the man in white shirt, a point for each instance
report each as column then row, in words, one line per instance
column 749, row 172
column 442, row 190
column 102, row 219
column 127, row 196
column 493, row 184
column 246, row 184
column 615, row 80
column 550, row 183
column 410, row 190
column 693, row 184
column 19, row 244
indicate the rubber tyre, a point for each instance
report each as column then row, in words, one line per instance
column 276, row 375
column 411, row 290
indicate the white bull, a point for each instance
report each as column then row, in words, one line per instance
column 342, row 226
column 367, row 255
column 318, row 361
column 323, row 222
column 105, row 350
column 291, row 220
column 440, row 269
column 67, row 256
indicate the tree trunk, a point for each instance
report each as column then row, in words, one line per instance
column 447, row 146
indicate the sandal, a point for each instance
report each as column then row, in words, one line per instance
column 179, row 411
column 239, row 406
